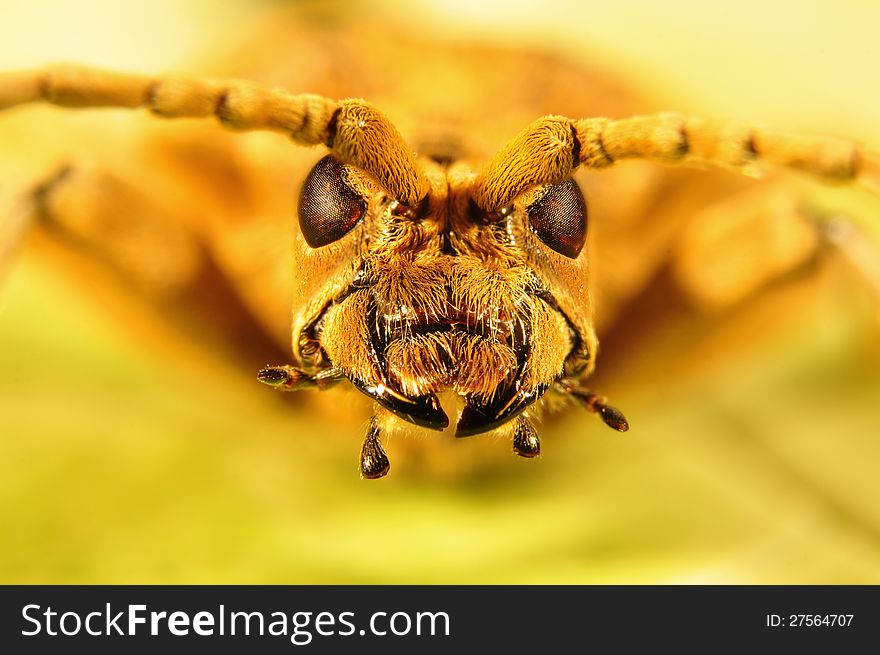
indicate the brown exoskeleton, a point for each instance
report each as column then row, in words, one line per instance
column 422, row 274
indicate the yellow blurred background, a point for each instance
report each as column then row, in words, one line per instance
column 117, row 466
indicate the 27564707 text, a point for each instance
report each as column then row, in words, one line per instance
column 809, row 620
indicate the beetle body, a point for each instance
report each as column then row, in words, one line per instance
column 441, row 272
column 137, row 447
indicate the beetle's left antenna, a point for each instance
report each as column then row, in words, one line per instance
column 354, row 131
column 553, row 147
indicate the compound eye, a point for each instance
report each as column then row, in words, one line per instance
column 559, row 218
column 328, row 207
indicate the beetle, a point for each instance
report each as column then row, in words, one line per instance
column 422, row 274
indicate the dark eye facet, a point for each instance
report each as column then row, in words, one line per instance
column 559, row 218
column 328, row 207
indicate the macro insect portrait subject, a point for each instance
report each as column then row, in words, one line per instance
column 466, row 258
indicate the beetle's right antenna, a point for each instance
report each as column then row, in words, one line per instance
column 355, row 131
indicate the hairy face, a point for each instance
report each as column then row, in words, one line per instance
column 411, row 301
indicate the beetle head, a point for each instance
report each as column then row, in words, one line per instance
column 410, row 300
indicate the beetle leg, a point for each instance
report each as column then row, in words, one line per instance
column 858, row 249
column 766, row 226
column 289, row 378
column 597, row 404
column 139, row 248
column 146, row 248
column 374, row 461
column 779, row 234
column 16, row 219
